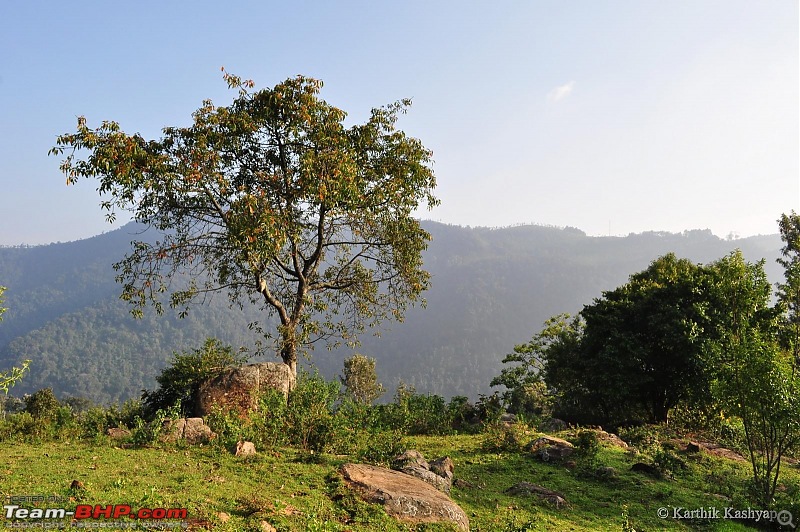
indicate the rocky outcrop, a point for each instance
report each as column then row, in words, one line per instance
column 407, row 498
column 238, row 389
column 191, row 429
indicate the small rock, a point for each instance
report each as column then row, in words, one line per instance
column 606, row 472
column 244, row 448
column 116, row 433
column 464, row 484
column 553, row 425
column 266, row 527
column 223, row 517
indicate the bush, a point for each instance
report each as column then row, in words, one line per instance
column 42, row 405
column 179, row 382
column 311, row 421
column 587, row 451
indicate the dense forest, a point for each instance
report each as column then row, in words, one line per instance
column 491, row 289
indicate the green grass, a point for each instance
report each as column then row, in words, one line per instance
column 293, row 490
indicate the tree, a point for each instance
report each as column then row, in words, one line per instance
column 639, row 351
column 755, row 377
column 361, row 380
column 789, row 291
column 526, row 392
column 275, row 201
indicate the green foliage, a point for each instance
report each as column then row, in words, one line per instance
column 526, row 393
column 360, row 379
column 756, row 377
column 10, row 378
column 276, row 202
column 311, row 420
column 587, row 451
column 789, row 290
column 180, row 381
column 42, row 405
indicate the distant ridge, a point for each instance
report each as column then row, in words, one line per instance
column 492, row 288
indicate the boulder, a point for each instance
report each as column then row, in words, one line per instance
column 237, row 389
column 407, row 498
column 508, row 418
column 191, row 429
column 550, row 448
column 612, row 439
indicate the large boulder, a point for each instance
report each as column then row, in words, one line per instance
column 237, row 389
column 406, row 498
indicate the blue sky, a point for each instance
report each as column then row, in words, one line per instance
column 610, row 116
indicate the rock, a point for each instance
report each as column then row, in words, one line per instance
column 409, row 458
column 244, row 448
column 412, row 463
column 116, row 433
column 612, row 439
column 464, row 484
column 191, row 429
column 553, row 425
column 550, row 448
column 693, row 447
column 716, row 450
column 237, row 389
column 223, row 517
column 527, row 488
column 443, row 467
column 266, row 527
column 406, row 498
column 606, row 472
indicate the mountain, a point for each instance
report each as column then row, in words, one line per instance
column 491, row 289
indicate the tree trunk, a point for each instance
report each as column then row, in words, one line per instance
column 289, row 354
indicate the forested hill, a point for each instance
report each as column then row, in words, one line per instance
column 491, row 289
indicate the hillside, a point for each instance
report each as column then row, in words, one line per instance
column 491, row 289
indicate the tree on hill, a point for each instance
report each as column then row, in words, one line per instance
column 273, row 200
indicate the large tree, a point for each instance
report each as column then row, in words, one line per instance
column 273, row 200
column 637, row 353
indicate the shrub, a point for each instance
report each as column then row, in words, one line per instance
column 179, row 382
column 42, row 405
column 311, row 421
column 587, row 451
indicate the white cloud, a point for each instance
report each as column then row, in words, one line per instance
column 560, row 92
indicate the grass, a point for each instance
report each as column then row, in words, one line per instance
column 292, row 490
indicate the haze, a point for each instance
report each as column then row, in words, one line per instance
column 613, row 117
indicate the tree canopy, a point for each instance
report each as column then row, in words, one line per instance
column 273, row 200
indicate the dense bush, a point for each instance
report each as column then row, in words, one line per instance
column 179, row 382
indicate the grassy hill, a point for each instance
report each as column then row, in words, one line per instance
column 294, row 491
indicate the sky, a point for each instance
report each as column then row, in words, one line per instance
column 611, row 116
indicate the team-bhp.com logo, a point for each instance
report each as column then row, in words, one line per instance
column 83, row 513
